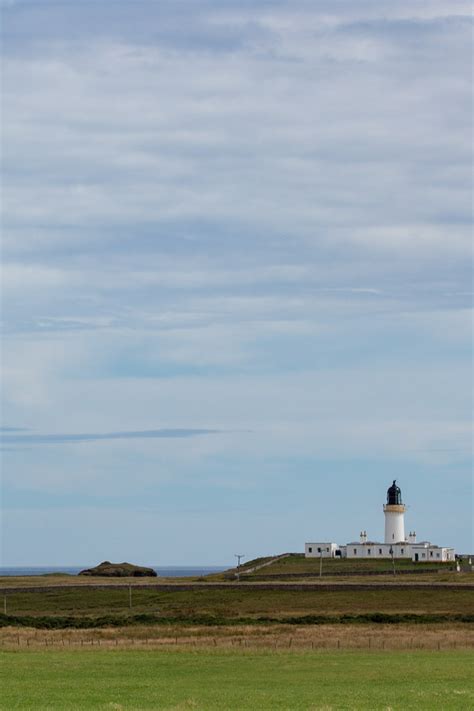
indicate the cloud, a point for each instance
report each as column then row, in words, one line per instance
column 13, row 429
column 173, row 171
column 247, row 216
column 33, row 439
column 217, row 143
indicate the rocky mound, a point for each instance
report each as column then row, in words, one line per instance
column 119, row 570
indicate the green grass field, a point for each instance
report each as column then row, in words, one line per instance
column 206, row 680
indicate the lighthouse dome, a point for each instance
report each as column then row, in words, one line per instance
column 394, row 494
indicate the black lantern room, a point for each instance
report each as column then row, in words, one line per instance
column 394, row 494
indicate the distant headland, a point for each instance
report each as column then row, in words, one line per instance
column 119, row 570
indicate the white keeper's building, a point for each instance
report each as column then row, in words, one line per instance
column 396, row 544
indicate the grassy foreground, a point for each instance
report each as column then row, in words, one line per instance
column 236, row 680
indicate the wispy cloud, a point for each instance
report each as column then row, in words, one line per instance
column 13, row 429
column 58, row 438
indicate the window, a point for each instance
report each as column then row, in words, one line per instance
column 437, row 555
column 369, row 551
column 423, row 555
column 327, row 549
column 355, row 551
column 310, row 550
column 319, row 550
column 380, row 551
column 402, row 551
column 431, row 554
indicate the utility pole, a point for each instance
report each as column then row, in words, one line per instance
column 393, row 558
column 239, row 557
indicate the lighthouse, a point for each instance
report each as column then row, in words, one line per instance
column 395, row 545
column 394, row 511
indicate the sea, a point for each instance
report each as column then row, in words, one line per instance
column 183, row 571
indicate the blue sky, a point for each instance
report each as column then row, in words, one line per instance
column 236, row 276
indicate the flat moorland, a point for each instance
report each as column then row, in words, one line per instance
column 239, row 601
column 89, row 607
column 236, row 679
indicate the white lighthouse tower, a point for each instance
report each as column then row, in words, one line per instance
column 394, row 512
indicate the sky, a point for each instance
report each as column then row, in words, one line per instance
column 236, row 276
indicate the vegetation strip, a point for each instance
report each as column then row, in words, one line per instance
column 209, row 620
